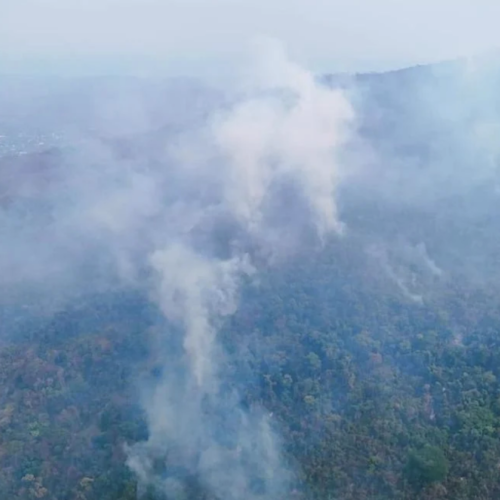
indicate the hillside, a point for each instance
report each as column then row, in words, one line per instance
column 374, row 357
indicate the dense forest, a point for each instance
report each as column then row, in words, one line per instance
column 374, row 397
column 374, row 356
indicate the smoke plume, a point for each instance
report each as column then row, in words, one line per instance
column 266, row 179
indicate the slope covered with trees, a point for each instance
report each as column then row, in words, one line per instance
column 376, row 357
column 374, row 397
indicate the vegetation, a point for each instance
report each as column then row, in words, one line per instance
column 375, row 396
column 379, row 369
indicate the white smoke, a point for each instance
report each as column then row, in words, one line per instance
column 269, row 136
column 192, row 290
column 409, row 267
column 286, row 131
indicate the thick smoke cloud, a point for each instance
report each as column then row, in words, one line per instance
column 282, row 136
column 229, row 174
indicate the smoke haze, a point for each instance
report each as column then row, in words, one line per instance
column 251, row 183
column 399, row 172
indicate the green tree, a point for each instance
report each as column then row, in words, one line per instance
column 425, row 466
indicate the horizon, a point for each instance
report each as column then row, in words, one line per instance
column 209, row 39
column 104, row 68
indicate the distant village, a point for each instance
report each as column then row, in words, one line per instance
column 24, row 143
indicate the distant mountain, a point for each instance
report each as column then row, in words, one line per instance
column 110, row 106
column 426, row 143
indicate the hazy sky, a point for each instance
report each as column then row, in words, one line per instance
column 199, row 35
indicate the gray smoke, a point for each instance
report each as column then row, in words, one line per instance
column 271, row 161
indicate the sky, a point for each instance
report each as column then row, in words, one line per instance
column 208, row 36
